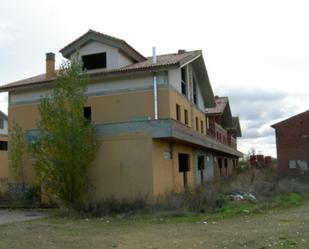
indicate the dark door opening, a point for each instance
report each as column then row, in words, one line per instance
column 183, row 164
column 87, row 113
column 201, row 166
column 220, row 165
column 225, row 165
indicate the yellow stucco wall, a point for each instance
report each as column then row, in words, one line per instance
column 3, row 164
column 128, row 165
column 122, row 167
column 25, row 115
column 193, row 112
column 166, row 173
column 123, row 107
column 105, row 109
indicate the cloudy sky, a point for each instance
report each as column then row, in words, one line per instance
column 256, row 52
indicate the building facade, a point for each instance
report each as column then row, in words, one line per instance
column 225, row 128
column 3, row 149
column 292, row 141
column 149, row 114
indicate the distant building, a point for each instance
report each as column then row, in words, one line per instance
column 292, row 140
column 3, row 148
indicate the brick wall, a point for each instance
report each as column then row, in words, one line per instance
column 292, row 144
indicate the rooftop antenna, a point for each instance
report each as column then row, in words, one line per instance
column 154, row 56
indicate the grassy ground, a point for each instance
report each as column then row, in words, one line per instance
column 237, row 226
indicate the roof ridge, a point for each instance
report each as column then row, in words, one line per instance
column 170, row 60
column 294, row 116
column 123, row 43
column 91, row 31
column 187, row 52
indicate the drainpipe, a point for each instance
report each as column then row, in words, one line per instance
column 155, row 85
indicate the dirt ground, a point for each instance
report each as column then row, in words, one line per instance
column 9, row 216
column 278, row 229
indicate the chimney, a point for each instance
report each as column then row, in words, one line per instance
column 50, row 65
column 181, row 51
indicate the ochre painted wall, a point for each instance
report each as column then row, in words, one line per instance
column 193, row 111
column 105, row 109
column 122, row 168
column 123, row 107
column 128, row 165
column 25, row 115
column 166, row 173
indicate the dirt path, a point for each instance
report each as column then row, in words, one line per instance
column 278, row 229
column 9, row 216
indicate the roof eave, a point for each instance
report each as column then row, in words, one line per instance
column 94, row 76
column 207, row 92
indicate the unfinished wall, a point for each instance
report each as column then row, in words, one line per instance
column 293, row 145
column 122, row 168
column 114, row 58
column 166, row 173
column 225, row 171
column 193, row 112
column 208, row 171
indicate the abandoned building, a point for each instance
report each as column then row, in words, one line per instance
column 225, row 128
column 292, row 141
column 153, row 114
column 3, row 148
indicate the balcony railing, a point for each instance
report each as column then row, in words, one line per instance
column 220, row 134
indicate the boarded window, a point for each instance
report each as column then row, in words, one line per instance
column 178, row 112
column 186, row 117
column 94, row 61
column 202, row 126
column 4, row 145
column 1, row 123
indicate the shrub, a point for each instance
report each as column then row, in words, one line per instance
column 21, row 195
column 204, row 198
column 112, row 206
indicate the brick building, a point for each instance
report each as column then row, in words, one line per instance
column 292, row 140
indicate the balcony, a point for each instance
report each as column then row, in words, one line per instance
column 220, row 134
column 167, row 129
column 232, row 142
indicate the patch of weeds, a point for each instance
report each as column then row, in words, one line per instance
column 295, row 199
column 286, row 243
column 236, row 208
